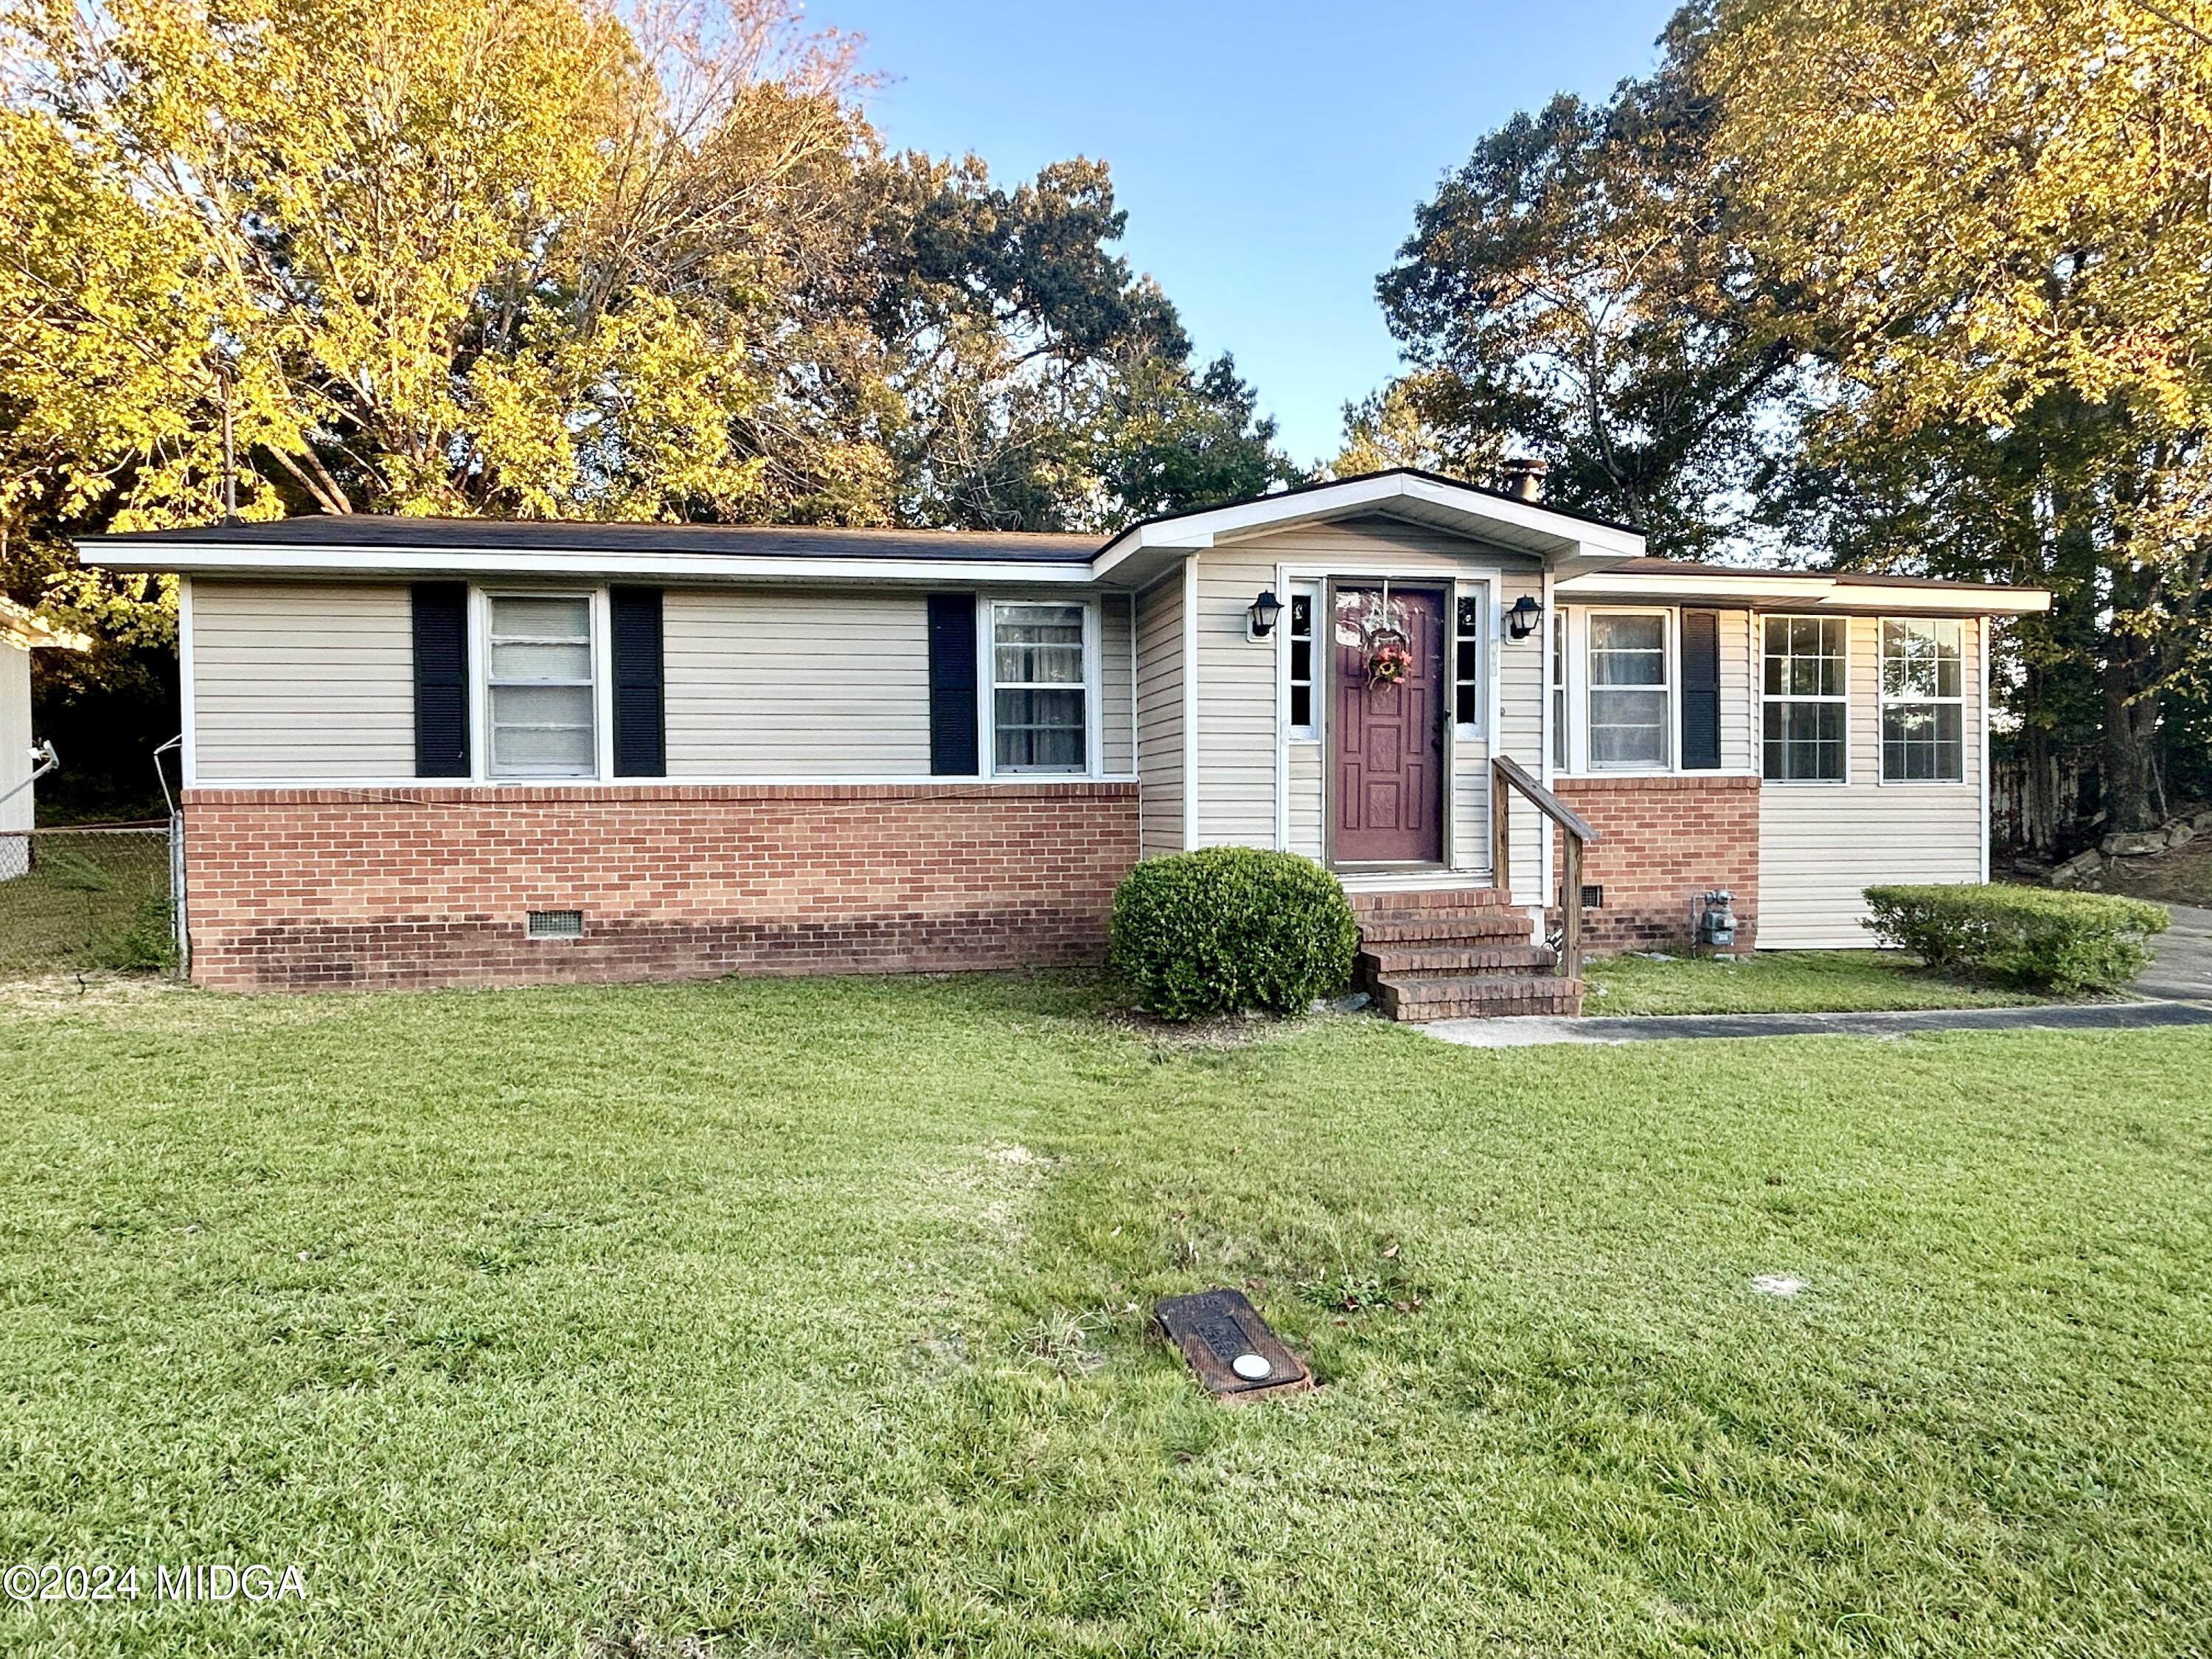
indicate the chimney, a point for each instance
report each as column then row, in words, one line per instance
column 1522, row 478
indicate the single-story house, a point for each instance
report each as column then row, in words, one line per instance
column 423, row 751
column 23, row 631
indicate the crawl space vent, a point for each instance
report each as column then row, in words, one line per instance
column 556, row 924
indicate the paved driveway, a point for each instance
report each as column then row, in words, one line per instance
column 2181, row 965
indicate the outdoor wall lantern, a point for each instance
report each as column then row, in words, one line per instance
column 1263, row 611
column 1524, row 619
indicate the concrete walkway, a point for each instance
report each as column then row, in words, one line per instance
column 1518, row 1033
column 2178, row 987
column 2181, row 959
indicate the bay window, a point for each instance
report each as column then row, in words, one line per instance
column 1040, row 703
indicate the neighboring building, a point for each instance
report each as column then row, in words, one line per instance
column 439, row 751
column 21, row 632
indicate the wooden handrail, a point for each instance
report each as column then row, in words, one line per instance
column 1543, row 799
column 1508, row 773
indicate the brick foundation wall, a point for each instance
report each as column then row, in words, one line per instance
column 375, row 889
column 1666, row 842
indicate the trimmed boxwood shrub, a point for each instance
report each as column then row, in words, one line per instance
column 1227, row 928
column 2025, row 936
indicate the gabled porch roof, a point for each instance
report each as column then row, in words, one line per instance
column 1568, row 543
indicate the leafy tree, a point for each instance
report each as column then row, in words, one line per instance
column 1577, row 291
column 1392, row 428
column 1994, row 215
column 549, row 258
column 1046, row 386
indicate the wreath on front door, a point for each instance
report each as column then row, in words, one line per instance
column 1376, row 625
column 1389, row 663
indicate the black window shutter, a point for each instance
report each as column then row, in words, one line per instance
column 953, row 751
column 1701, row 690
column 640, row 727
column 442, row 679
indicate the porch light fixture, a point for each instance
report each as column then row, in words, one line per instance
column 1263, row 611
column 1524, row 619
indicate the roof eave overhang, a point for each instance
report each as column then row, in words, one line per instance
column 1805, row 593
column 231, row 559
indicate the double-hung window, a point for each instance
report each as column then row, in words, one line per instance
column 538, row 685
column 1040, row 707
column 1304, row 602
column 1923, row 703
column 1806, row 717
column 1628, row 691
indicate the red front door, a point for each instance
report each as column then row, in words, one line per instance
column 1387, row 738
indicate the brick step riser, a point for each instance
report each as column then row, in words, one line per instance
column 1443, row 931
column 1429, row 961
column 1557, row 1005
column 1511, row 1008
column 1458, row 898
column 1452, row 997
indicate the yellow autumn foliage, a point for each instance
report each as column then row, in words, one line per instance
column 407, row 242
column 1988, row 201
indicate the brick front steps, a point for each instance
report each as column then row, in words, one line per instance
column 1457, row 954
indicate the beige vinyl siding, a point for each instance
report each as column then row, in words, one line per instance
column 1820, row 845
column 1116, row 686
column 1521, row 692
column 830, row 684
column 310, row 681
column 1159, row 716
column 767, row 682
column 1236, row 701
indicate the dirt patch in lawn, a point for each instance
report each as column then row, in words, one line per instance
column 2181, row 875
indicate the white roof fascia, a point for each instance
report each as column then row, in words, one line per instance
column 1577, row 543
column 1811, row 591
column 234, row 558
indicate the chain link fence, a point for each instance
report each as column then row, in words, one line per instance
column 78, row 897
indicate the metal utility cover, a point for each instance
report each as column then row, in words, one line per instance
column 1212, row 1328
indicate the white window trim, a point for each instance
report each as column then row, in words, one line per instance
column 1311, row 590
column 986, row 686
column 1761, row 699
column 1488, row 624
column 480, row 598
column 1883, row 701
column 1670, row 657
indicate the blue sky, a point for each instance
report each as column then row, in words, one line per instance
column 1270, row 156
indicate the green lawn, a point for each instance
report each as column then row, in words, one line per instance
column 789, row 1317
column 1782, row 983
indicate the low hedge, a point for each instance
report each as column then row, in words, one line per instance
column 2024, row 937
column 1227, row 928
